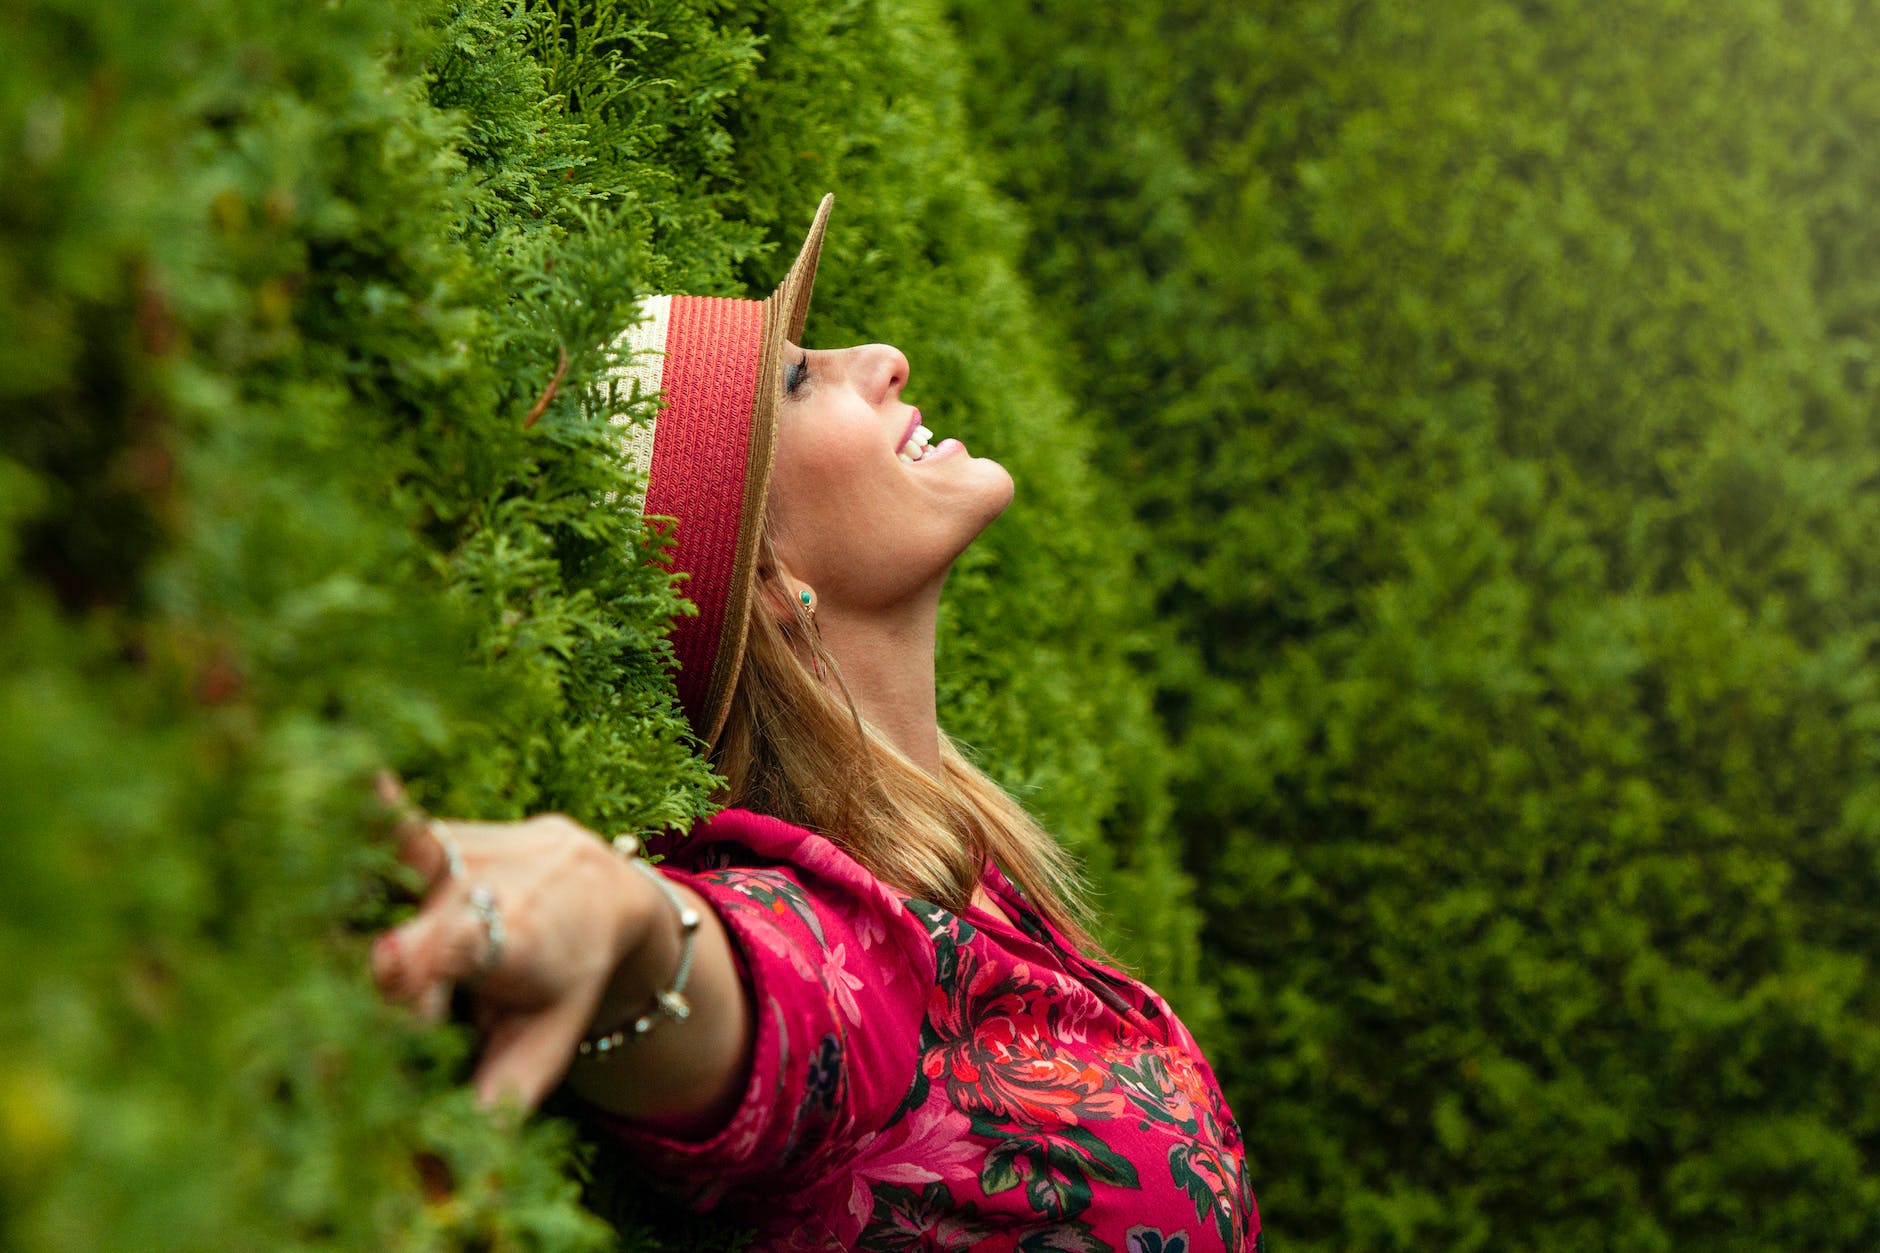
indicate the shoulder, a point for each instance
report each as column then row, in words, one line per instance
column 760, row 862
column 839, row 970
column 739, row 838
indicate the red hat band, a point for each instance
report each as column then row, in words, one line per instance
column 705, row 458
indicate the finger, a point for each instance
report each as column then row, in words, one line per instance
column 421, row 846
column 388, row 789
column 526, row 1055
column 432, row 1004
column 421, row 838
column 428, row 999
column 446, row 943
column 406, row 819
column 401, row 812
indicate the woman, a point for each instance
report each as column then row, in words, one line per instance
column 830, row 1007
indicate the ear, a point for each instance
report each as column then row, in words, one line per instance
column 787, row 598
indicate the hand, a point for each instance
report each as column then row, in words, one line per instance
column 566, row 904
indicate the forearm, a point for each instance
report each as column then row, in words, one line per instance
column 688, row 1072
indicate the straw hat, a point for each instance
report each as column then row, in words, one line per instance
column 705, row 459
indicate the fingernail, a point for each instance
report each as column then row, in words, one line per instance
column 384, row 954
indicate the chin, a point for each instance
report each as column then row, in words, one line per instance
column 999, row 488
column 993, row 505
column 992, row 494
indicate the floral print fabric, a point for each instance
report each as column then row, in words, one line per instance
column 923, row 1080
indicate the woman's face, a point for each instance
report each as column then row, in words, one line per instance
column 864, row 509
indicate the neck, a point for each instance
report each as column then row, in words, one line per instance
column 887, row 660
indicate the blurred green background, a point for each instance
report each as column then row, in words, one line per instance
column 1440, row 604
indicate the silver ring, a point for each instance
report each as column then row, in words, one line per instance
column 453, row 856
column 483, row 901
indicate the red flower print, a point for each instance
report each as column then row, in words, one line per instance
column 1154, row 1086
column 996, row 1050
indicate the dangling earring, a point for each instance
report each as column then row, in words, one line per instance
column 806, row 601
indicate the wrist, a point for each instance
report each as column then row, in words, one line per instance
column 654, row 947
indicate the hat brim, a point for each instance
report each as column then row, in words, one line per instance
column 784, row 315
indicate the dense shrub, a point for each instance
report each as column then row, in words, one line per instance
column 1042, row 624
column 1499, row 381
column 284, row 287
column 275, row 517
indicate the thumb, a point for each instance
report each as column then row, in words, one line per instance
column 526, row 1054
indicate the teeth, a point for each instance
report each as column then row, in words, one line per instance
column 916, row 446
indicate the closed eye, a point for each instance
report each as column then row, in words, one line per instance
column 795, row 375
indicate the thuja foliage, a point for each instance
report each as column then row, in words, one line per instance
column 277, row 319
column 1042, row 628
column 1499, row 381
column 300, row 475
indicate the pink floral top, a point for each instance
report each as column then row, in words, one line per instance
column 924, row 1080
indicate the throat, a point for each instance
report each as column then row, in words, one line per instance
column 983, row 902
column 887, row 664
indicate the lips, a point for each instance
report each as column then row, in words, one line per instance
column 914, row 440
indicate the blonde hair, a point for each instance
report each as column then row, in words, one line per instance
column 795, row 747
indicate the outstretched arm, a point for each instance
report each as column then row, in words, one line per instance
column 588, row 941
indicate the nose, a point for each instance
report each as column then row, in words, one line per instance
column 881, row 371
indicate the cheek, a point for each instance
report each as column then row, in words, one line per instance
column 820, row 498
column 850, row 519
column 806, row 466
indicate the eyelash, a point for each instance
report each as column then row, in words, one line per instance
column 795, row 375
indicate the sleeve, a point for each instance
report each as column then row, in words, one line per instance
column 839, row 973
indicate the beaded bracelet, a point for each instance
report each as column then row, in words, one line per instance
column 670, row 1003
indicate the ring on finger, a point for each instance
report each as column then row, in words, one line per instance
column 483, row 901
column 453, row 855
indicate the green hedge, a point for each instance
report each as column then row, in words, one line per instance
column 282, row 286
column 1499, row 384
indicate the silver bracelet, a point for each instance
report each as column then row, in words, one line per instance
column 670, row 1003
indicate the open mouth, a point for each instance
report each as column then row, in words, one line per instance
column 918, row 444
